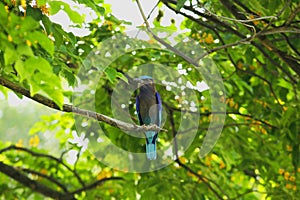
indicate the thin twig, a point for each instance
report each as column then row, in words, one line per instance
column 95, row 184
column 294, row 13
column 209, row 51
column 284, row 56
column 174, row 133
column 168, row 46
column 200, row 177
column 268, row 82
column 228, row 28
column 280, row 30
column 221, row 113
column 242, row 21
column 219, row 126
column 150, row 13
column 276, row 17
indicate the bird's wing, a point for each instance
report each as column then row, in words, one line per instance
column 159, row 103
column 137, row 105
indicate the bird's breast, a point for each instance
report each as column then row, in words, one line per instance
column 148, row 108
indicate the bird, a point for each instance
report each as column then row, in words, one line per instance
column 149, row 111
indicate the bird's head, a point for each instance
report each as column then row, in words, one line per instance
column 145, row 82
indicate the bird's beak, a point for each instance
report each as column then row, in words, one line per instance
column 139, row 81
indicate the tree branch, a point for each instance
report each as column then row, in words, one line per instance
column 13, row 147
column 174, row 132
column 200, row 177
column 72, row 109
column 288, row 59
column 32, row 184
column 168, row 46
column 15, row 173
column 228, row 27
column 53, row 180
column 268, row 82
column 95, row 184
column 293, row 15
column 221, row 113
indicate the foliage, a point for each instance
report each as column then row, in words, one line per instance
column 258, row 153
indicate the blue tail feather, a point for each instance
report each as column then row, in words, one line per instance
column 151, row 145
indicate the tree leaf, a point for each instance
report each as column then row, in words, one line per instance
column 180, row 4
column 9, row 56
column 43, row 40
column 111, row 74
column 19, row 66
column 25, row 50
column 56, row 6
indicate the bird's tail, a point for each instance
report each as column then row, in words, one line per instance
column 151, row 145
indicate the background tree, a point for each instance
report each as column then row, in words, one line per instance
column 255, row 46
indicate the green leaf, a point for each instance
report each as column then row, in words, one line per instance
column 74, row 16
column 56, row 6
column 43, row 40
column 10, row 56
column 54, row 93
column 19, row 66
column 37, row 64
column 29, row 24
column 25, row 50
column 44, row 80
column 111, row 74
column 283, row 83
column 34, row 87
column 249, row 55
column 35, row 13
column 100, row 9
column 121, row 76
column 4, row 91
column 180, row 4
column 55, row 29
column 3, row 13
column 41, row 2
column 70, row 77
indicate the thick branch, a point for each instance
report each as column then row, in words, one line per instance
column 53, row 180
column 13, row 147
column 16, row 174
column 72, row 109
column 34, row 185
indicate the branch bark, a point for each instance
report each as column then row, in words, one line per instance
column 13, row 147
column 17, row 175
column 53, row 180
column 202, row 178
column 72, row 109
column 32, row 184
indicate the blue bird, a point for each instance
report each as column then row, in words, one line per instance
column 149, row 109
